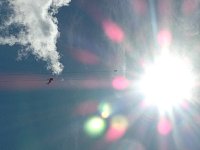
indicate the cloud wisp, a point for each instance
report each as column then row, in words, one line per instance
column 32, row 24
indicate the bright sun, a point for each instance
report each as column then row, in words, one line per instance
column 167, row 82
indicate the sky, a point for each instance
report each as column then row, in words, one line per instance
column 97, row 52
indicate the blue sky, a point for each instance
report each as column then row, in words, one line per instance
column 96, row 51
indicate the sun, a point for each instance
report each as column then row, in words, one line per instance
column 167, row 82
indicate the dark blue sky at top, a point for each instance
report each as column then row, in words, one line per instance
column 79, row 30
column 42, row 117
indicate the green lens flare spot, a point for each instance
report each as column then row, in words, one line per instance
column 94, row 126
column 105, row 110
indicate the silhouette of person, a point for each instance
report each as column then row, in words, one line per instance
column 50, row 80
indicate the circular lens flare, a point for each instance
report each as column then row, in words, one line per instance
column 105, row 109
column 94, row 126
column 167, row 82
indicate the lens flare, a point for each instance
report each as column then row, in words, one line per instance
column 167, row 82
column 164, row 127
column 120, row 83
column 94, row 126
column 105, row 109
column 164, row 38
column 117, row 129
column 113, row 31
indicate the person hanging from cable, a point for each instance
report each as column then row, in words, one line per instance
column 50, row 80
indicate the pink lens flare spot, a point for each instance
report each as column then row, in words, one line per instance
column 120, row 83
column 164, row 127
column 189, row 6
column 185, row 105
column 164, row 37
column 114, row 134
column 86, row 57
column 165, row 8
column 117, row 129
column 86, row 108
column 113, row 31
column 140, row 6
column 144, row 104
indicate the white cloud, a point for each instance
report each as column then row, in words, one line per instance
column 40, row 31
